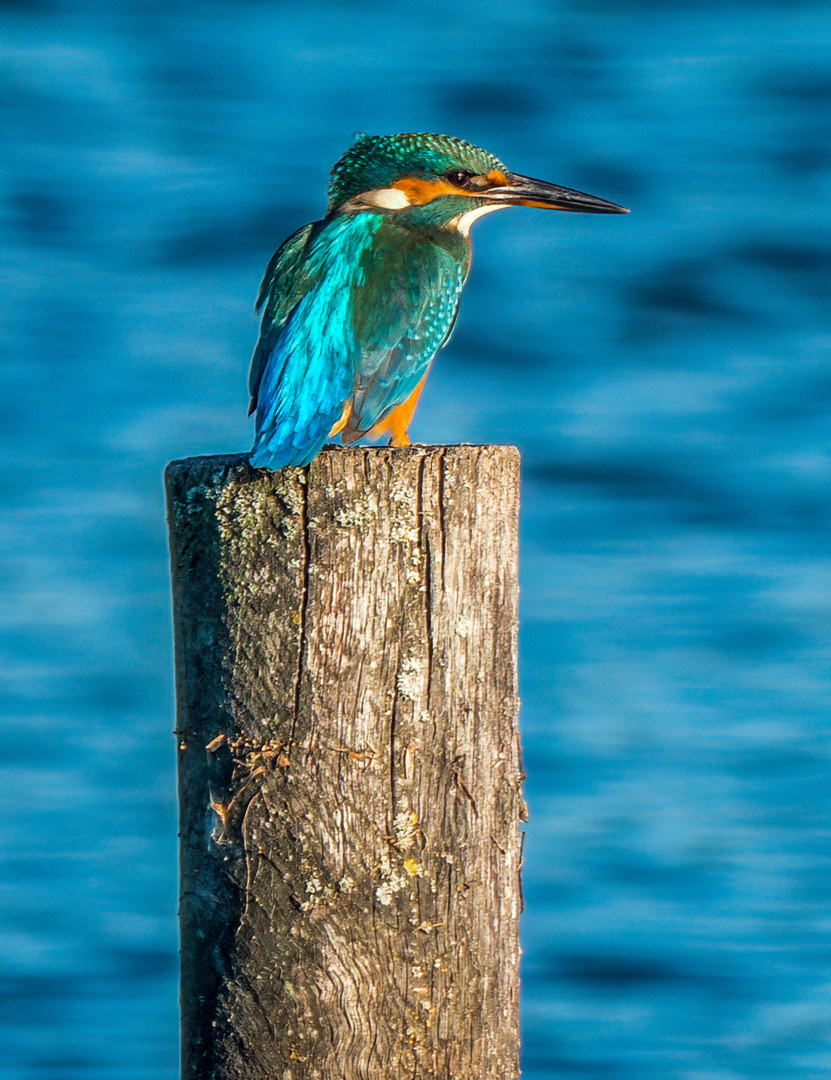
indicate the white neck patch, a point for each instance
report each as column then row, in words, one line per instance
column 388, row 198
column 465, row 220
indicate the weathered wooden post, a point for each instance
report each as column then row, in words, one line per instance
column 348, row 764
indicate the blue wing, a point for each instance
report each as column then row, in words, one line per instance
column 303, row 367
column 404, row 308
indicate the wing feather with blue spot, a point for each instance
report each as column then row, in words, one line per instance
column 302, row 371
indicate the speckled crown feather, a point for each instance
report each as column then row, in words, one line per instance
column 377, row 161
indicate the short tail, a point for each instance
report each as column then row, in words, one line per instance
column 281, row 444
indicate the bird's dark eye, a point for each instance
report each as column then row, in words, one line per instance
column 459, row 177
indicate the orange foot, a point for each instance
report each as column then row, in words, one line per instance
column 398, row 421
column 344, row 417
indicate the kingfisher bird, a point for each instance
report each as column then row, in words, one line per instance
column 356, row 306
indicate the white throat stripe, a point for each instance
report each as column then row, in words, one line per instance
column 464, row 221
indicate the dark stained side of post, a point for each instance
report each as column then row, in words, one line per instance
column 349, row 769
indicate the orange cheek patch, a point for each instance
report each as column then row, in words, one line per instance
column 497, row 178
column 420, row 191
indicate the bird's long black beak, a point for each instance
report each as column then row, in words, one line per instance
column 523, row 191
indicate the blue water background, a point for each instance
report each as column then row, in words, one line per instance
column 666, row 375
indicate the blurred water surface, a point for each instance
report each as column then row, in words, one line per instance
column 666, row 376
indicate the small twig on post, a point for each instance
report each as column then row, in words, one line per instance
column 348, row 764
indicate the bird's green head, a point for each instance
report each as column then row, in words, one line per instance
column 397, row 172
column 419, row 167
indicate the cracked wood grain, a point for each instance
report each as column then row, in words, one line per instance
column 349, row 773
